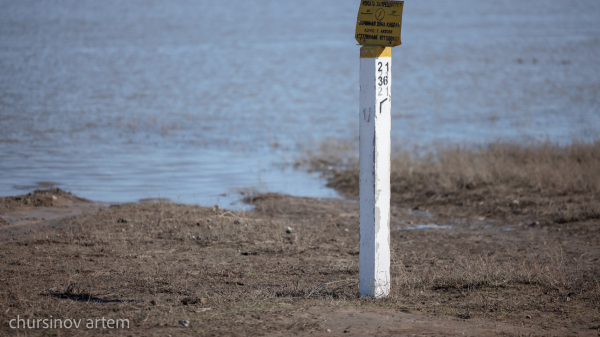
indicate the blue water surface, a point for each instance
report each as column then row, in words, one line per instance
column 196, row 100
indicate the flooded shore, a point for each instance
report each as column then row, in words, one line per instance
column 122, row 101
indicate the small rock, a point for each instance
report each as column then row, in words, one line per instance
column 328, row 330
column 289, row 230
column 514, row 203
column 184, row 323
column 121, row 220
column 346, row 230
column 528, row 317
column 54, row 197
column 533, row 224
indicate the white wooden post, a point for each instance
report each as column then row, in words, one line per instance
column 375, row 126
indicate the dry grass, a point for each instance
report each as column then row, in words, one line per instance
column 544, row 182
column 156, row 264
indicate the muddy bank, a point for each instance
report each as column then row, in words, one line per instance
column 290, row 267
column 40, row 209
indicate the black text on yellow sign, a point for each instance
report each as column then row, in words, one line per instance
column 379, row 23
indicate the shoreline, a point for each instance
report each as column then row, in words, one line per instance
column 503, row 240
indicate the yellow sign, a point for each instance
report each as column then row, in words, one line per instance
column 379, row 23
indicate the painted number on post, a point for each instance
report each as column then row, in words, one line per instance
column 383, row 89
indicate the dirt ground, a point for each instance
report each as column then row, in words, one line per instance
column 289, row 267
column 497, row 241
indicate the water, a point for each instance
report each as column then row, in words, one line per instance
column 424, row 226
column 193, row 100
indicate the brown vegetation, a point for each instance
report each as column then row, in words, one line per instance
column 521, row 256
column 545, row 183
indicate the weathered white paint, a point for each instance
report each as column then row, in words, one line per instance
column 375, row 125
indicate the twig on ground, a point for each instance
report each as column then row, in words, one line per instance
column 334, row 225
column 326, row 284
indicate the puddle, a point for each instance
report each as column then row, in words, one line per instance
column 425, row 226
column 420, row 213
